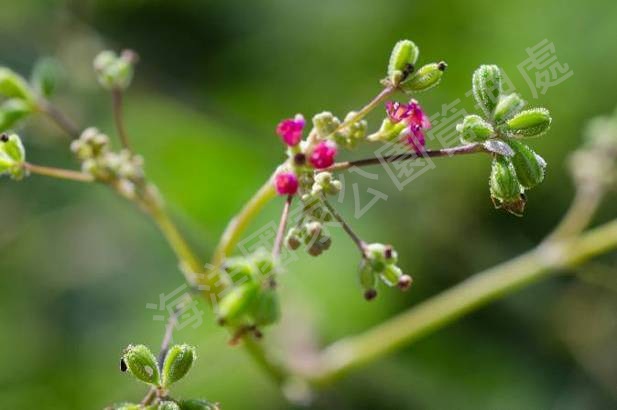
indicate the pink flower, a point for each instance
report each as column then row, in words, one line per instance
column 323, row 154
column 415, row 138
column 286, row 183
column 290, row 130
column 411, row 113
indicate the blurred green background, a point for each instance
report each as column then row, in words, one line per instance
column 78, row 265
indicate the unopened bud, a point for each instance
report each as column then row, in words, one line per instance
column 178, row 362
column 425, row 78
column 142, row 364
column 528, row 165
column 474, row 129
column 486, row 84
column 402, row 60
column 325, row 123
column 508, row 106
column 236, row 302
column 530, row 123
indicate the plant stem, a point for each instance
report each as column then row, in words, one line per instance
column 240, row 222
column 383, row 94
column 354, row 237
column 581, row 211
column 278, row 241
column 473, row 293
column 58, row 117
column 117, row 102
column 58, row 173
column 459, row 150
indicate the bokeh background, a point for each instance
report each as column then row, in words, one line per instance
column 78, row 265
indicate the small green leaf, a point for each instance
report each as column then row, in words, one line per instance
column 12, row 85
column 530, row 123
column 45, row 76
column 142, row 364
column 13, row 110
column 178, row 362
column 486, row 82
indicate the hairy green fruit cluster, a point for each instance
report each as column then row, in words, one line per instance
column 504, row 121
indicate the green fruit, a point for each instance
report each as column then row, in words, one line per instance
column 508, row 106
column 486, row 82
column 528, row 165
column 425, row 78
column 530, row 123
column 178, row 362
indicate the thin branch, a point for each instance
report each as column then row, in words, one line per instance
column 444, row 152
column 379, row 98
column 584, row 205
column 117, row 102
column 172, row 321
column 61, row 120
column 354, row 237
column 58, row 173
column 473, row 293
column 278, row 241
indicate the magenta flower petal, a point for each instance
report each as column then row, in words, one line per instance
column 286, row 183
column 290, row 130
column 323, row 154
column 416, row 139
column 397, row 112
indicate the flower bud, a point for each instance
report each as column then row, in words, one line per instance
column 528, row 165
column 402, row 59
column 426, row 77
column 368, row 280
column 324, row 183
column 168, row 405
column 142, row 364
column 12, row 111
column 508, row 106
column 198, row 405
column 12, row 85
column 391, row 275
column 286, row 183
column 504, row 186
column 474, row 129
column 293, row 239
column 45, row 76
column 178, row 362
column 325, row 123
column 115, row 72
column 530, row 123
column 486, row 84
column 290, row 130
column 323, row 154
column 266, row 308
column 236, row 302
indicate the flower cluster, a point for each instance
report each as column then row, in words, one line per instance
column 139, row 361
column 380, row 262
column 504, row 122
column 122, row 169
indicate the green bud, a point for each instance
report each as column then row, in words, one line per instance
column 530, row 123
column 474, row 129
column 236, row 302
column 368, row 279
column 486, row 84
column 45, row 76
column 198, row 405
column 504, row 186
column 12, row 85
column 391, row 274
column 13, row 110
column 528, row 165
column 168, row 405
column 266, row 309
column 388, row 131
column 402, row 59
column 115, row 72
column 293, row 239
column 12, row 146
column 142, row 364
column 508, row 106
column 178, row 362
column 425, row 78
column 325, row 123
column 239, row 269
